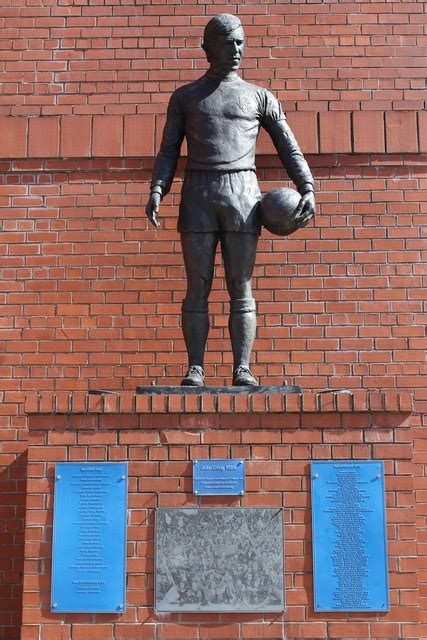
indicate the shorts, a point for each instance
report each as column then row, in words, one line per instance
column 220, row 201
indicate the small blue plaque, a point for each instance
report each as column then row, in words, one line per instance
column 219, row 477
column 89, row 538
column 349, row 536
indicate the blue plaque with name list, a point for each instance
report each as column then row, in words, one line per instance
column 89, row 538
column 349, row 534
column 219, row 477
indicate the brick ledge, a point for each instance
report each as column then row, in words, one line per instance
column 123, row 402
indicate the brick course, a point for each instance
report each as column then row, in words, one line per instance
column 140, row 134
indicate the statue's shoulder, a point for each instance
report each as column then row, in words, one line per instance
column 189, row 88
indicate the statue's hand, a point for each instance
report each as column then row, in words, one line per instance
column 305, row 210
column 152, row 208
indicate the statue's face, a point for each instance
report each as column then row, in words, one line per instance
column 226, row 52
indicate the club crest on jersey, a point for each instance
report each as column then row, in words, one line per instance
column 246, row 106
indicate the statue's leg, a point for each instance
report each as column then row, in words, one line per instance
column 239, row 253
column 199, row 258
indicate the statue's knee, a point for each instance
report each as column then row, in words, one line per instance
column 239, row 288
column 194, row 305
column 198, row 287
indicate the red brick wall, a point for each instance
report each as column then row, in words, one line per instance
column 87, row 287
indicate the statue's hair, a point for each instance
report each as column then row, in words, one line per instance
column 222, row 24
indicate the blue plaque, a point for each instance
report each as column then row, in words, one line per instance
column 349, row 536
column 89, row 538
column 218, row 477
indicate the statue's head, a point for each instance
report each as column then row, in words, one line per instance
column 224, row 43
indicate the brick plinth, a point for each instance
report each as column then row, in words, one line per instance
column 277, row 435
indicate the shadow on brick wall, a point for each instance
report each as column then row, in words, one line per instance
column 12, row 526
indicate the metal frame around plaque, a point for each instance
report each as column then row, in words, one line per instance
column 89, row 538
column 349, row 536
column 219, row 560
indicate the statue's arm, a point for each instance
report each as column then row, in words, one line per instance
column 167, row 158
column 290, row 154
column 298, row 170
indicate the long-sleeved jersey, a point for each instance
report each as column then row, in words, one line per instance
column 221, row 118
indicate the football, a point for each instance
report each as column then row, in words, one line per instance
column 277, row 208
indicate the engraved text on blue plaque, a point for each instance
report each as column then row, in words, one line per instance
column 89, row 537
column 349, row 536
column 218, row 477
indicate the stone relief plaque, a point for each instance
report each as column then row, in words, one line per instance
column 219, row 559
column 349, row 536
column 89, row 538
